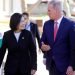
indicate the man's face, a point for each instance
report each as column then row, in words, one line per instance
column 51, row 12
column 26, row 18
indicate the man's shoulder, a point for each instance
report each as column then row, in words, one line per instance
column 33, row 23
column 68, row 20
column 69, row 23
column 48, row 21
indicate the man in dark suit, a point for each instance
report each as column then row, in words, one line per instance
column 32, row 27
column 58, row 40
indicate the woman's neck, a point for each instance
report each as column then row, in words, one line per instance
column 17, row 31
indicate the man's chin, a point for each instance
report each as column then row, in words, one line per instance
column 51, row 19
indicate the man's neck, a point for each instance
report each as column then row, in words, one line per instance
column 57, row 18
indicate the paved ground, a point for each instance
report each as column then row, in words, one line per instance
column 41, row 69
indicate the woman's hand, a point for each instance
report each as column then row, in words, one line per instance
column 33, row 72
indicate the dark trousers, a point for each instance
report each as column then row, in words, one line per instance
column 18, row 72
column 54, row 71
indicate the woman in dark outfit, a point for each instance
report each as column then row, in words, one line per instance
column 21, row 58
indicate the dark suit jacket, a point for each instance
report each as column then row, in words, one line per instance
column 64, row 43
column 21, row 54
column 35, row 32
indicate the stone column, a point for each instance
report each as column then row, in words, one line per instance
column 66, row 7
column 23, row 5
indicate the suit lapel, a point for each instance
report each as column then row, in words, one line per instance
column 14, row 38
column 21, row 37
column 31, row 27
column 60, row 30
column 50, row 32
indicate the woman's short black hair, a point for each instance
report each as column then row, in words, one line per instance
column 15, row 20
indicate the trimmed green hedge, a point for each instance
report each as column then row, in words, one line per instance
column 0, row 42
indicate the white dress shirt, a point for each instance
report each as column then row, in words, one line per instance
column 59, row 21
column 27, row 27
column 17, row 35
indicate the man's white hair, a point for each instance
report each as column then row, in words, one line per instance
column 56, row 4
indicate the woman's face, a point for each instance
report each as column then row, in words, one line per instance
column 21, row 25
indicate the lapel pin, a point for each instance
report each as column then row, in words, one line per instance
column 22, row 37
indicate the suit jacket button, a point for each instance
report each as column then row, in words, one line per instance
column 52, row 57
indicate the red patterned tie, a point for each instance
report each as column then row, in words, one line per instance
column 55, row 29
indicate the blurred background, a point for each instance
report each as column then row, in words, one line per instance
column 38, row 14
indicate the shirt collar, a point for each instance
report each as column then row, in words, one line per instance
column 28, row 23
column 59, row 20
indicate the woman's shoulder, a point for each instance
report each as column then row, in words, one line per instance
column 26, row 31
column 7, row 32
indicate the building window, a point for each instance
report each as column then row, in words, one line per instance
column 3, row 5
